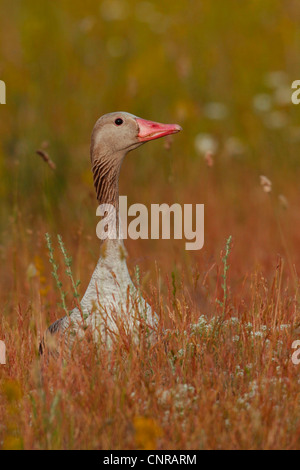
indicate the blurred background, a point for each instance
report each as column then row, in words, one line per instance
column 222, row 70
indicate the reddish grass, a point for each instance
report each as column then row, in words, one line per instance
column 207, row 382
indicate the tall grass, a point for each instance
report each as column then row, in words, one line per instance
column 197, row 386
column 220, row 374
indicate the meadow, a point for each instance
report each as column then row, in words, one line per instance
column 229, row 313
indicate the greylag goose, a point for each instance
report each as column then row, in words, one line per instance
column 111, row 296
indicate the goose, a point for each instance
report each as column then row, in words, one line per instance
column 111, row 298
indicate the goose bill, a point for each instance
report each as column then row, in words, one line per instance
column 149, row 130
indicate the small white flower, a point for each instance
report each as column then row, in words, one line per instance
column 262, row 102
column 258, row 334
column 205, row 143
column 265, row 183
column 283, row 201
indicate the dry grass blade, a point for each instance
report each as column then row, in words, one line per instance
column 209, row 160
column 46, row 159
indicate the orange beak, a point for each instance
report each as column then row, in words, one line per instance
column 149, row 130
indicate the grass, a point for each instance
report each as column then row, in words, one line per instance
column 220, row 374
column 221, row 381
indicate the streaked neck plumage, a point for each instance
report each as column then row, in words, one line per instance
column 106, row 172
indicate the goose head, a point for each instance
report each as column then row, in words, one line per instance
column 116, row 134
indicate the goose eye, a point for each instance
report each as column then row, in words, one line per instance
column 118, row 121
